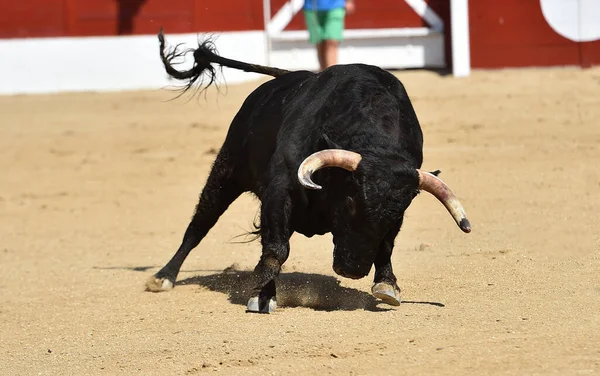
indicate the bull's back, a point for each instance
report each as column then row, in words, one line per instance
column 359, row 107
column 286, row 116
column 252, row 136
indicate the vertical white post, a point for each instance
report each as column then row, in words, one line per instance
column 461, row 50
column 267, row 21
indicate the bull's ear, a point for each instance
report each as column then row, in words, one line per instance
column 326, row 143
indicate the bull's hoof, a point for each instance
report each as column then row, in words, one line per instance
column 256, row 305
column 389, row 294
column 156, row 284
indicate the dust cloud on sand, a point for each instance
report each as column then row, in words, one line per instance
column 97, row 189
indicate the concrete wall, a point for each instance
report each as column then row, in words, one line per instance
column 47, row 65
column 50, row 65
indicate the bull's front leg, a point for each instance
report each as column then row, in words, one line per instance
column 275, row 236
column 384, row 283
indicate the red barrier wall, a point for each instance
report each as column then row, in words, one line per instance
column 514, row 33
column 74, row 18
column 53, row 18
column 507, row 33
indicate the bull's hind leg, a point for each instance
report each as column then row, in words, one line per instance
column 220, row 191
column 275, row 236
column 384, row 283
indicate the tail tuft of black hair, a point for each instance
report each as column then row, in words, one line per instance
column 205, row 56
column 201, row 75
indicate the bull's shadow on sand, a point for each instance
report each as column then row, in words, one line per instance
column 315, row 291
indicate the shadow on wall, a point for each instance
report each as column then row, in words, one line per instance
column 128, row 9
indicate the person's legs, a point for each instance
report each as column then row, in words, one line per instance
column 314, row 21
column 330, row 53
column 333, row 34
column 325, row 29
column 321, row 49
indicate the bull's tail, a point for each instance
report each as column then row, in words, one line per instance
column 204, row 56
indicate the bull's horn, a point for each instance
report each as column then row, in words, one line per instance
column 434, row 185
column 348, row 160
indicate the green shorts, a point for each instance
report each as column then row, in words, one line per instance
column 325, row 24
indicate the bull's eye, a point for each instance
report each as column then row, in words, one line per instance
column 350, row 205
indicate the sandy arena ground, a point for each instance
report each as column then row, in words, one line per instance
column 97, row 189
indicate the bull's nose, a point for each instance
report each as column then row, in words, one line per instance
column 347, row 274
column 351, row 270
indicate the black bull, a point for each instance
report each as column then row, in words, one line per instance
column 355, row 117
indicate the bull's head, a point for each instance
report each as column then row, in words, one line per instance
column 369, row 210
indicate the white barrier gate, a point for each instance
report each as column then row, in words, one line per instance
column 391, row 48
